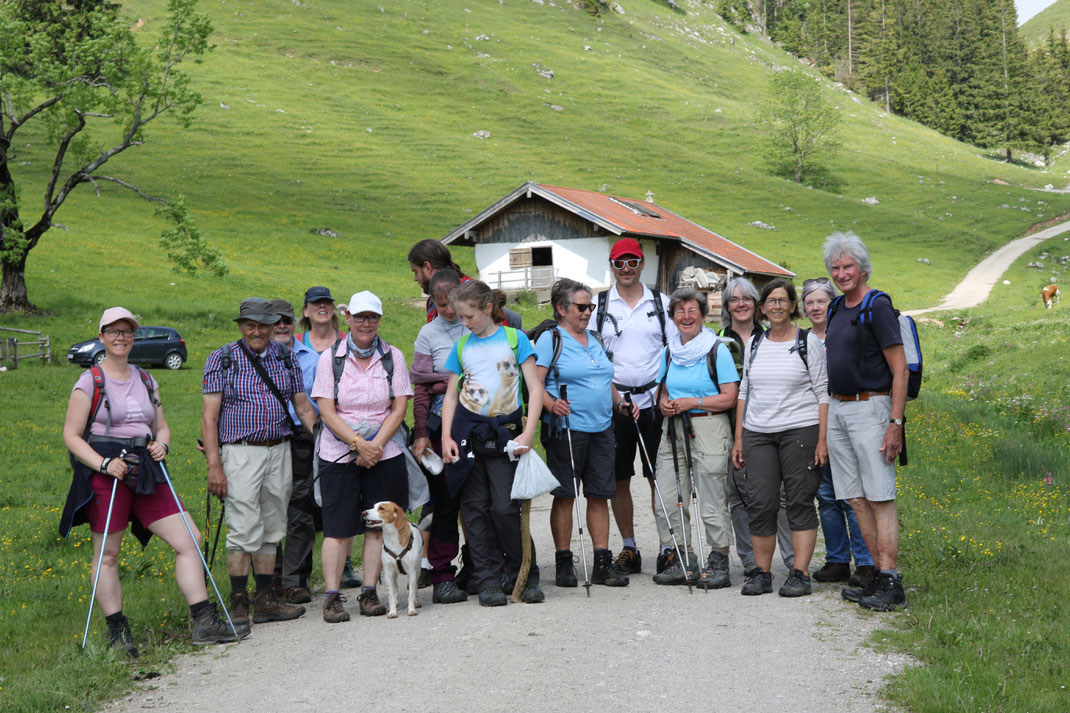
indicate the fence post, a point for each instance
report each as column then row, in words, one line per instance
column 13, row 350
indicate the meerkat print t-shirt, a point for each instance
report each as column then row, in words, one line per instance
column 490, row 372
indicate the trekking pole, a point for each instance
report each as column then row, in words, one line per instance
column 689, row 433
column 679, row 493
column 189, row 529
column 218, row 529
column 657, row 488
column 576, row 499
column 207, row 527
column 100, row 561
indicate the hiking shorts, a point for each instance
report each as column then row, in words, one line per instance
column 146, row 508
column 347, row 490
column 594, row 454
column 628, row 441
column 855, row 435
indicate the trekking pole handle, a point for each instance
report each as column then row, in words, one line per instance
column 564, row 392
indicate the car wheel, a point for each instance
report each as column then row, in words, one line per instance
column 99, row 357
column 173, row 361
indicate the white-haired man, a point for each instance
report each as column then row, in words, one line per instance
column 868, row 382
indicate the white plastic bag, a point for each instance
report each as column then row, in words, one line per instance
column 532, row 478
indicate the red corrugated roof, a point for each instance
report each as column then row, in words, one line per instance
column 669, row 225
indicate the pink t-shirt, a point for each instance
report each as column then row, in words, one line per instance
column 363, row 395
column 132, row 412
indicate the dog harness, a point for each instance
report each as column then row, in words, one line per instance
column 398, row 556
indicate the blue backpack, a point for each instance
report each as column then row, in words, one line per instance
column 908, row 330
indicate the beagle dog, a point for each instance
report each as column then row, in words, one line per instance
column 402, row 551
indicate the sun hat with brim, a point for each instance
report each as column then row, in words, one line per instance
column 283, row 309
column 364, row 302
column 114, row 314
column 625, row 247
column 317, row 294
column 257, row 309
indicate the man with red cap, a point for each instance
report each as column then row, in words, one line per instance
column 632, row 320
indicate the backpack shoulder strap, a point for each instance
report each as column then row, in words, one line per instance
column 338, row 365
column 555, row 342
column 659, row 310
column 600, row 310
column 386, row 355
column 711, row 363
column 514, row 341
column 460, row 362
column 754, row 350
column 801, row 336
column 147, row 381
column 227, row 359
column 100, row 395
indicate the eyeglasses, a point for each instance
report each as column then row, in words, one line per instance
column 632, row 262
column 362, row 318
column 583, row 308
column 738, row 300
column 113, row 333
column 817, row 281
column 777, row 301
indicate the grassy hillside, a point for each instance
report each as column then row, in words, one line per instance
column 358, row 117
column 1056, row 15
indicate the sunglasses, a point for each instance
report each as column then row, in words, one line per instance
column 817, row 281
column 583, row 308
column 632, row 262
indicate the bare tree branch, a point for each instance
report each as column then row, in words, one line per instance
column 124, row 184
column 61, row 152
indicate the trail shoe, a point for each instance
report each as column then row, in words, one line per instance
column 297, row 595
column 464, row 577
column 796, row 585
column 855, row 594
column 349, row 580
column 759, row 582
column 333, row 611
column 606, row 572
column 833, row 572
column 425, row 579
column 208, row 628
column 268, row 605
column 863, row 573
column 663, row 561
column 448, row 593
column 370, row 604
column 493, row 597
column 674, row 572
column 239, row 610
column 888, row 594
column 750, row 569
column 119, row 636
column 566, row 570
column 629, row 561
column 715, row 574
column 532, row 594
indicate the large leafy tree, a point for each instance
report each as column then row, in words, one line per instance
column 75, row 76
column 799, row 125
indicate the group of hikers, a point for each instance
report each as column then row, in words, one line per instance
column 742, row 429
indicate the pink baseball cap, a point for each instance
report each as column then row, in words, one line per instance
column 114, row 314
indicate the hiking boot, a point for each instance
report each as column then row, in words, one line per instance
column 493, row 597
column 749, row 570
column 349, row 580
column 855, row 594
column 674, row 572
column 833, row 572
column 629, row 561
column 464, row 576
column 663, row 561
column 888, row 594
column 507, row 584
column 605, row 570
column 532, row 594
column 425, row 579
column 119, row 637
column 448, row 593
column 566, row 570
column 863, row 573
column 370, row 604
column 239, row 610
column 715, row 574
column 268, row 605
column 796, row 585
column 297, row 595
column 208, row 628
column 759, row 582
column 333, row 611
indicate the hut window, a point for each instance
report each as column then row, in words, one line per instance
column 542, row 257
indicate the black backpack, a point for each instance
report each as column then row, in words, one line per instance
column 601, row 313
column 550, row 325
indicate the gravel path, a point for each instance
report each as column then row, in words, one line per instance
column 643, row 647
column 978, row 283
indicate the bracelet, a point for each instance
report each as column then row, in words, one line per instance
column 700, row 402
column 354, row 442
column 104, row 465
column 166, row 449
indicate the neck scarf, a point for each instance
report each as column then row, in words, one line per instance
column 362, row 353
column 695, row 350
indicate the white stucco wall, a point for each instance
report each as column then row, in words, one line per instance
column 582, row 259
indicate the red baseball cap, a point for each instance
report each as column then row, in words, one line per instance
column 626, row 246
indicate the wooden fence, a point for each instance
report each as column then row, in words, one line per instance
column 15, row 350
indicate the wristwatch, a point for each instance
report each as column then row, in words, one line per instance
column 897, row 421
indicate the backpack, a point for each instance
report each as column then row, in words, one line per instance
column 908, row 330
column 100, row 396
column 601, row 312
column 339, row 364
column 799, row 348
column 549, row 325
column 510, row 337
column 226, row 360
column 711, row 368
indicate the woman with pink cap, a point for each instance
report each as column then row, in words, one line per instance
column 116, row 431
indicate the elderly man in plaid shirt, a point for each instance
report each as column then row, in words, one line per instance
column 246, row 429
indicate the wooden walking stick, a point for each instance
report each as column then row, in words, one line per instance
column 525, row 545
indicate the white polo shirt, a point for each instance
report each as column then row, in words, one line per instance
column 635, row 340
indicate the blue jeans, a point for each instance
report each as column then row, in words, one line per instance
column 841, row 539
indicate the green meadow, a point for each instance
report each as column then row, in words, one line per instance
column 359, row 118
column 1054, row 17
